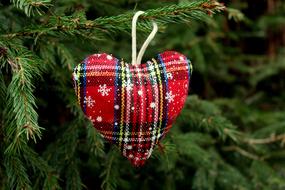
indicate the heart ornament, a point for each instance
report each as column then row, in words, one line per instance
column 133, row 105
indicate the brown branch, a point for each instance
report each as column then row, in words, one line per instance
column 273, row 138
column 242, row 152
column 13, row 65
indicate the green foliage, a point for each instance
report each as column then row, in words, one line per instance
column 77, row 24
column 230, row 134
column 21, row 101
column 31, row 7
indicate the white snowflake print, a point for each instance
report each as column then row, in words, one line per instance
column 150, row 65
column 153, row 77
column 169, row 96
column 109, row 57
column 140, row 92
column 128, row 84
column 169, row 76
column 116, row 107
column 104, row 90
column 99, row 119
column 89, row 101
column 152, row 105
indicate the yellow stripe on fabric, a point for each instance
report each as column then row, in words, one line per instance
column 78, row 82
column 161, row 97
column 122, row 105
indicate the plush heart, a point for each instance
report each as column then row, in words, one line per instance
column 133, row 106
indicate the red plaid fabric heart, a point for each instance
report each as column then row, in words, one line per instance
column 133, row 106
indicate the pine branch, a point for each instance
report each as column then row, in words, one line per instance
column 242, row 152
column 94, row 141
column 21, row 101
column 198, row 155
column 203, row 174
column 207, row 116
column 31, row 7
column 265, row 175
column 20, row 118
column 272, row 139
column 16, row 173
column 73, row 179
column 182, row 13
column 62, row 155
column 2, row 91
column 229, row 176
column 65, row 56
column 51, row 182
column 166, row 153
column 19, row 160
column 110, row 172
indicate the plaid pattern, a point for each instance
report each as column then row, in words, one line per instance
column 133, row 106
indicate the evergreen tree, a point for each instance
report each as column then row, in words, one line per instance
column 230, row 134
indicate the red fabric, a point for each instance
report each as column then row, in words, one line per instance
column 133, row 106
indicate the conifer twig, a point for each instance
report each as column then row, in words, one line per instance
column 182, row 13
column 109, row 173
column 273, row 138
column 242, row 152
column 31, row 6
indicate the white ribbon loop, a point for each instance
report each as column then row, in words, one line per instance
column 135, row 59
